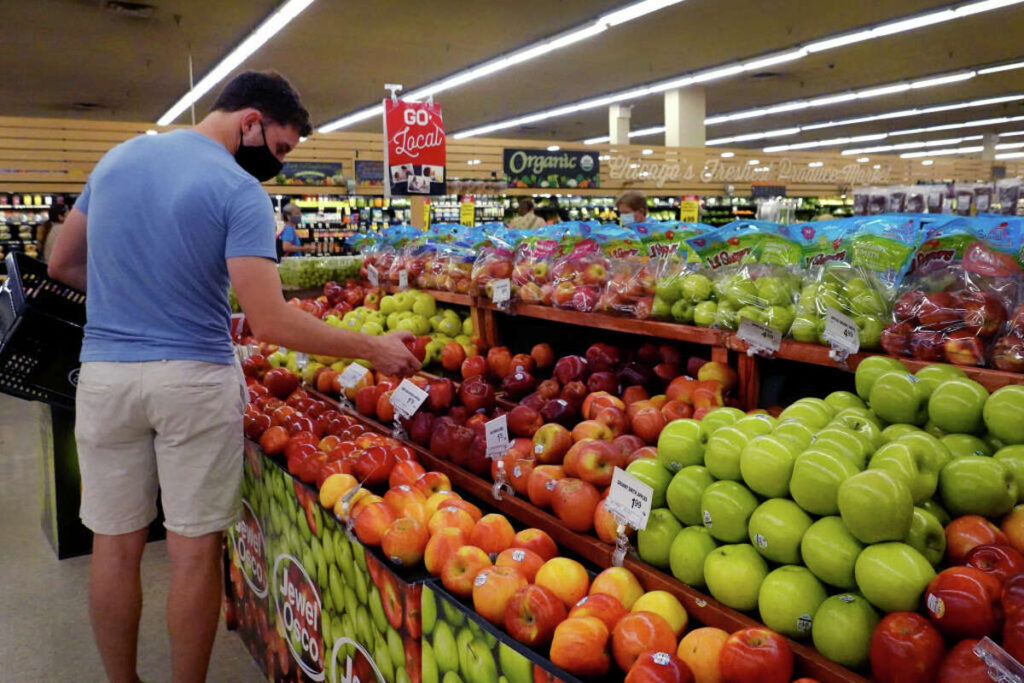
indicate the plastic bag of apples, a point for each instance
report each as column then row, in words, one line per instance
column 495, row 259
column 958, row 302
column 630, row 283
column 532, row 282
column 580, row 274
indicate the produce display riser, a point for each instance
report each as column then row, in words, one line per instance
column 700, row 606
column 359, row 611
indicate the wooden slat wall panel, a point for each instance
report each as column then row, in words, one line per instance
column 48, row 152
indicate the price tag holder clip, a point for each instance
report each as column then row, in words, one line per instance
column 761, row 340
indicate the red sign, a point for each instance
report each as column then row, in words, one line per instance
column 414, row 148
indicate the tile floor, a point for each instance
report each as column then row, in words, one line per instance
column 44, row 623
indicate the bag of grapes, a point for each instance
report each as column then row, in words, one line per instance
column 848, row 295
column 531, row 269
column 959, row 300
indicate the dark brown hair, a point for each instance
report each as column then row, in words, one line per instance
column 270, row 94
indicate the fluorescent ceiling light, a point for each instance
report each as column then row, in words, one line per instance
column 264, row 32
column 863, row 160
column 1010, row 155
column 816, row 164
column 727, row 155
column 910, row 145
column 1011, row 134
column 942, row 152
column 1001, row 67
column 927, row 162
column 954, row 126
column 524, row 54
column 753, row 136
column 1010, row 145
column 753, row 162
column 943, row 80
column 553, row 148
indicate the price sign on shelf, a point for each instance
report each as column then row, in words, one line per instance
column 501, row 290
column 841, row 332
column 407, row 399
column 403, row 279
column 372, row 276
column 352, row 375
column 496, row 434
column 759, row 337
column 629, row 499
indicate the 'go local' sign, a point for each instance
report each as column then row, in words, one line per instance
column 544, row 168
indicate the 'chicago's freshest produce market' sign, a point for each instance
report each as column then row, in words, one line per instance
column 717, row 170
column 544, row 168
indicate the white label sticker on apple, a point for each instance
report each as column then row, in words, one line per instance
column 407, row 399
column 517, row 471
column 518, row 555
column 936, row 606
column 496, row 435
column 538, row 448
column 700, row 602
column 403, row 279
column 352, row 375
column 841, row 332
column 846, row 597
column 550, row 484
column 707, row 518
column 661, row 658
column 372, row 276
column 760, row 541
column 501, row 290
column 759, row 337
column 629, row 499
column 480, row 579
column 803, row 623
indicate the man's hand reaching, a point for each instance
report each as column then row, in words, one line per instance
column 390, row 355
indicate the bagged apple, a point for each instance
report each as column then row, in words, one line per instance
column 629, row 289
column 861, row 286
column 531, row 269
column 670, row 259
column 579, row 274
column 962, row 287
column 495, row 259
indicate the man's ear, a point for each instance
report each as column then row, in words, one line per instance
column 250, row 117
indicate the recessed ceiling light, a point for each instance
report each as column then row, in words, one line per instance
column 927, row 162
column 553, row 148
column 647, row 151
column 753, row 162
column 727, row 155
column 816, row 164
column 863, row 160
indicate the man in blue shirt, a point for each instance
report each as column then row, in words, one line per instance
column 289, row 239
column 163, row 226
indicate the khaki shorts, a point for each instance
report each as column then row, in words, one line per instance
column 172, row 425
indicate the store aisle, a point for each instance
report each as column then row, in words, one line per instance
column 45, row 634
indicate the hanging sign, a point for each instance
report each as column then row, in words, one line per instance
column 689, row 209
column 414, row 148
column 310, row 173
column 467, row 213
column 544, row 168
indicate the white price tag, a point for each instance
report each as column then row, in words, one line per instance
column 496, row 433
column 841, row 332
column 352, row 375
column 371, row 275
column 759, row 337
column 407, row 399
column 501, row 290
column 403, row 279
column 301, row 360
column 629, row 499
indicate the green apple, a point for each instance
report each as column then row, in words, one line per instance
column 684, row 492
column 900, row 397
column 428, row 610
column 876, row 505
column 696, row 287
column 892, row 576
column 651, row 472
column 779, row 317
column 1002, row 414
column 817, row 476
column 978, row 485
column 690, row 548
column 928, row 447
column 396, row 649
column 452, row 614
column 725, row 508
column 918, row 470
column 682, row 311
column 775, row 529
column 830, row 551
column 705, row 313
column 477, row 663
column 725, row 316
column 773, row 291
column 424, row 304
column 722, row 453
column 842, row 629
column 661, row 309
column 405, row 300
column 934, row 429
column 813, row 415
column 936, row 511
column 788, row 599
column 451, row 677
column 870, row 329
column 445, row 649
column 796, row 433
column 937, row 373
column 669, row 289
column 927, row 536
column 766, row 464
column 450, row 327
column 852, row 418
column 740, row 292
column 717, row 418
column 893, row 432
column 843, row 441
column 956, row 406
column 388, row 305
column 380, row 620
column 1012, row 458
column 428, row 666
column 733, row 575
column 805, row 327
column 654, row 543
column 467, row 326
column 516, row 667
column 865, row 301
column 755, row 425
column 841, row 400
column 681, row 444
column 994, row 442
column 870, row 369
column 960, row 445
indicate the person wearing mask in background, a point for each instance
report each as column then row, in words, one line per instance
column 527, row 219
column 632, row 207
column 49, row 230
column 165, row 223
column 288, row 242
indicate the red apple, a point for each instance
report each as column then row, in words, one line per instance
column 603, row 381
column 432, row 482
column 493, row 589
column 641, row 632
column 962, row 665
column 371, row 521
column 461, row 568
column 499, row 361
column 659, row 667
column 634, row 393
column 524, row 421
column 537, row 541
column 1013, row 636
column 452, row 356
column 965, row 533
column 681, row 389
column 518, row 383
column 573, row 501
column 273, row 440
column 963, row 602
column 524, row 362
column 281, row 382
column 1008, row 352
column 549, row 388
column 1013, row 597
column 440, row 393
column 542, row 482
column 474, row 366
column 255, row 424
column 999, row 561
column 574, row 393
column 614, row 419
column 756, row 654
column 543, row 355
column 896, row 338
column 599, row 400
column 597, row 461
column 532, row 614
column 647, row 424
column 676, row 410
column 526, row 562
column 905, row 648
column 927, row 345
column 476, row 394
column 492, row 534
column 600, row 605
column 963, row 347
column 406, row 473
column 570, row 369
column 627, row 444
column 580, row 646
column 906, row 307
column 550, row 444
column 938, row 311
column 983, row 313
column 404, row 542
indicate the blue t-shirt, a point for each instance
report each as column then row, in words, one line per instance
column 164, row 213
column 289, row 235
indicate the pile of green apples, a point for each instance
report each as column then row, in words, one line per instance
column 848, row 292
column 457, row 649
column 696, row 299
column 845, row 496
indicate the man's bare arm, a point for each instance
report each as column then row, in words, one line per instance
column 68, row 260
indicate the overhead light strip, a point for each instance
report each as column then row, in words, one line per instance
column 910, row 145
column 1010, row 155
column 281, row 17
column 725, row 71
column 1010, row 145
column 532, row 51
column 942, row 152
column 835, row 142
column 1011, row 134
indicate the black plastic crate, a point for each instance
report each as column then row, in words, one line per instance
column 42, row 322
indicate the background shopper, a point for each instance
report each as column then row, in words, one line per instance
column 288, row 242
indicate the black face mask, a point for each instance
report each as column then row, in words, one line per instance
column 258, row 160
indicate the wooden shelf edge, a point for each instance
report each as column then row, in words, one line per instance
column 703, row 608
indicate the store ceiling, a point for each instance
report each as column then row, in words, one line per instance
column 81, row 58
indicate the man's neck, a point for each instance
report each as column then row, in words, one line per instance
column 220, row 127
